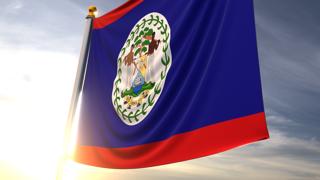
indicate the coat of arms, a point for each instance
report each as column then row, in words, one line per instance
column 143, row 64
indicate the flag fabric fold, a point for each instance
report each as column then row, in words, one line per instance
column 169, row 81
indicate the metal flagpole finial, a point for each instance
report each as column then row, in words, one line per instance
column 92, row 12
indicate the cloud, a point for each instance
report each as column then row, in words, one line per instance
column 288, row 45
column 38, row 25
column 13, row 7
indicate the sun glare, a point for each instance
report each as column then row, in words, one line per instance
column 34, row 99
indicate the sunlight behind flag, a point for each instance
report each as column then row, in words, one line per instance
column 161, row 88
column 33, row 112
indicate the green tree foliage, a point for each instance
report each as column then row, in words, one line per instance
column 140, row 42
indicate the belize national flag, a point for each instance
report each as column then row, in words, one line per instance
column 168, row 81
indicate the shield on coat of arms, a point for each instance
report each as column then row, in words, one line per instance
column 143, row 64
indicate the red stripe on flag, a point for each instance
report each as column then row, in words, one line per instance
column 115, row 14
column 193, row 144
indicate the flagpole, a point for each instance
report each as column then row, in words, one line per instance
column 77, row 88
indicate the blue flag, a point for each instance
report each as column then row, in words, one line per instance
column 169, row 81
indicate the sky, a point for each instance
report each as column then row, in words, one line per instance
column 40, row 43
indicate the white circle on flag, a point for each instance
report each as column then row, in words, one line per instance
column 143, row 64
